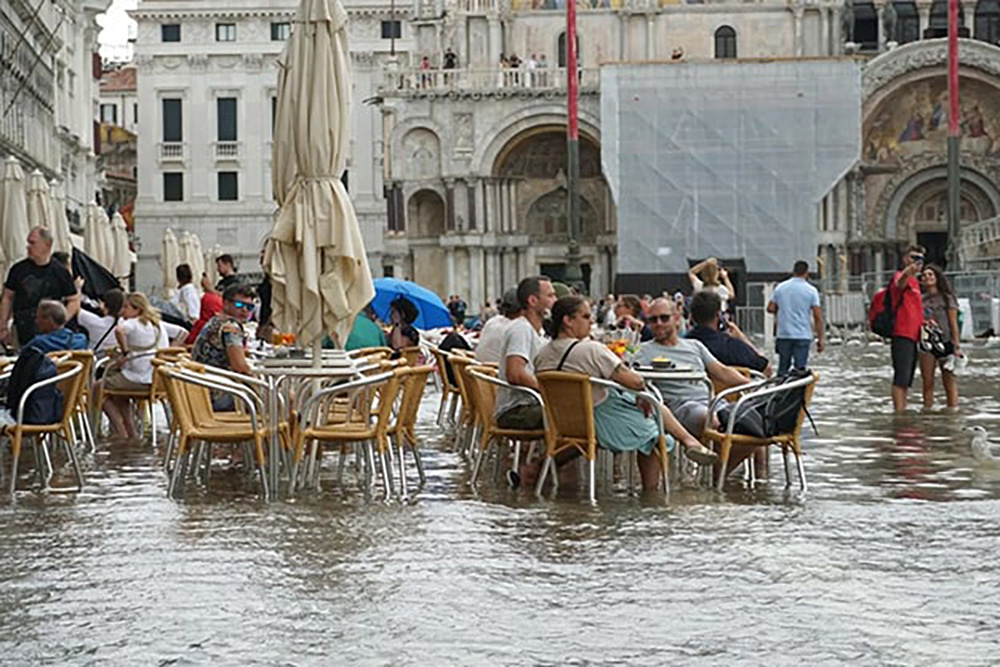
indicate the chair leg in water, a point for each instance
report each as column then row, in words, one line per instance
column 784, row 461
column 514, row 475
column 403, row 493
column 386, row 482
column 478, row 463
column 546, row 467
column 71, row 454
column 419, row 462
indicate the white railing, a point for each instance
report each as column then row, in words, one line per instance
column 981, row 240
column 172, row 150
column 511, row 79
column 478, row 6
column 227, row 149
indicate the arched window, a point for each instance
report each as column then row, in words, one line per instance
column 988, row 21
column 561, row 51
column 907, row 22
column 725, row 42
column 938, row 25
column 865, row 26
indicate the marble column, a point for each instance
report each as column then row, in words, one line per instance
column 476, row 295
column 622, row 31
column 924, row 10
column 797, row 19
column 882, row 37
column 460, row 197
column 651, row 36
column 512, row 206
column 478, row 204
column 490, row 217
column 824, row 32
column 491, row 277
column 495, row 40
column 449, row 205
column 500, row 198
column 450, row 268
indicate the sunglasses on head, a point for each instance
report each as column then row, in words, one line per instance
column 247, row 305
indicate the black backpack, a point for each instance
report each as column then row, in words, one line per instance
column 45, row 405
column 774, row 414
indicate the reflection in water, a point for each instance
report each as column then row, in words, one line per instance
column 891, row 558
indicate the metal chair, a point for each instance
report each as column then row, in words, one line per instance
column 449, row 390
column 791, row 440
column 485, row 386
column 403, row 430
column 70, row 379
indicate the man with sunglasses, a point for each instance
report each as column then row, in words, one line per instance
column 908, row 307
column 222, row 342
column 688, row 401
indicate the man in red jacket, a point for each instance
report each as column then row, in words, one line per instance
column 906, row 328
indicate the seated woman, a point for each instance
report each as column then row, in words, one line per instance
column 402, row 315
column 622, row 424
column 138, row 338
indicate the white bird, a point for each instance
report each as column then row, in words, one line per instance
column 992, row 342
column 982, row 450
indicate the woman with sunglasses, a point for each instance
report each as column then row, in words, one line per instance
column 622, row 425
column 223, row 340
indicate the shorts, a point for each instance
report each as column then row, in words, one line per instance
column 115, row 379
column 904, row 361
column 522, row 418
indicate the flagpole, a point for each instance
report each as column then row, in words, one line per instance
column 574, row 274
column 954, row 143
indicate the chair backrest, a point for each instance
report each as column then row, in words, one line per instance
column 484, row 394
column 718, row 387
column 198, row 397
column 569, row 404
column 370, row 352
column 386, row 399
column 412, row 354
column 806, row 400
column 71, row 388
column 458, row 366
column 414, row 381
column 178, row 397
column 441, row 358
column 171, row 353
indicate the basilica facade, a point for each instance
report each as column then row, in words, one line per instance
column 459, row 116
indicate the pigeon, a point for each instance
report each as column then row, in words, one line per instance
column 982, row 450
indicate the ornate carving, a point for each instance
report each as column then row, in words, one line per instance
column 253, row 61
column 464, row 139
column 422, row 151
column 919, row 55
column 198, row 61
column 363, row 58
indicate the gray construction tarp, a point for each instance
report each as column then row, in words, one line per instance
column 725, row 159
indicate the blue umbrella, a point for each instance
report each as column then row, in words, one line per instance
column 431, row 310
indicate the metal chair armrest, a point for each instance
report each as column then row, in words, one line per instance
column 749, row 386
column 38, row 385
column 229, row 388
column 347, row 387
column 501, row 383
column 731, row 422
column 649, row 396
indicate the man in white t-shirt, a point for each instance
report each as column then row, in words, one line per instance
column 521, row 344
column 495, row 330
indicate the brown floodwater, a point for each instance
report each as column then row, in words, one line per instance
column 891, row 558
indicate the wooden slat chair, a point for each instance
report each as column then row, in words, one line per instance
column 413, row 354
column 317, row 432
column 726, row 439
column 569, row 423
column 189, row 408
column 485, row 385
column 413, row 381
column 84, row 408
column 70, row 379
column 449, row 390
column 383, row 352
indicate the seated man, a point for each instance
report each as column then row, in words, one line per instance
column 52, row 336
column 222, row 342
column 705, row 312
column 688, row 401
column 495, row 330
column 521, row 344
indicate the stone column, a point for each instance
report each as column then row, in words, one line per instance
column 476, row 277
column 924, row 10
column 477, row 204
column 500, row 199
column 879, row 18
column 492, row 276
column 450, row 268
column 650, row 35
column 460, row 197
column 824, row 32
column 512, row 205
column 495, row 40
column 797, row 18
column 449, row 205
column 490, row 218
column 622, row 30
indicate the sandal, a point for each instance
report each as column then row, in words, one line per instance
column 701, row 455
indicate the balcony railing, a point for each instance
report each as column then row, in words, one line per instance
column 172, row 150
column 227, row 150
column 497, row 6
column 521, row 79
column 981, row 240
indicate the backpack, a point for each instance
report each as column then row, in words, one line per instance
column 882, row 314
column 45, row 405
column 774, row 414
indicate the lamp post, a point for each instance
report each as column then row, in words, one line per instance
column 574, row 274
column 954, row 144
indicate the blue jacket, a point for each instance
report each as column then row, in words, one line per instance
column 728, row 350
column 60, row 339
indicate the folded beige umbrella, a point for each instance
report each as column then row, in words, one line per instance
column 122, row 264
column 316, row 258
column 93, row 236
column 196, row 260
column 61, row 235
column 211, row 270
column 14, row 217
column 108, row 243
column 169, row 259
column 39, row 202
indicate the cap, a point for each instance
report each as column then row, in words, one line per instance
column 561, row 289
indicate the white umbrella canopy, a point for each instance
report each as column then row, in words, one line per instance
column 93, row 236
column 316, row 260
column 39, row 202
column 122, row 264
column 169, row 259
column 61, row 239
column 14, row 216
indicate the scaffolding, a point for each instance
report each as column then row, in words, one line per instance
column 725, row 159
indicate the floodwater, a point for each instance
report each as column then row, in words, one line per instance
column 891, row 558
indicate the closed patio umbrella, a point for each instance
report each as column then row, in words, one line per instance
column 13, row 215
column 197, row 259
column 62, row 241
column 39, row 202
column 93, row 235
column 122, row 264
column 210, row 269
column 169, row 259
column 316, row 258
column 109, row 240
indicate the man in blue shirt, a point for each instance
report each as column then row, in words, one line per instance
column 796, row 303
column 705, row 310
column 53, row 336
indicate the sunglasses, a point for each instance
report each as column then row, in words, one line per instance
column 247, row 305
column 660, row 318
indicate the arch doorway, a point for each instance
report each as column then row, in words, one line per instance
column 425, row 214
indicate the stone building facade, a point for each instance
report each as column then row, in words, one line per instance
column 49, row 72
